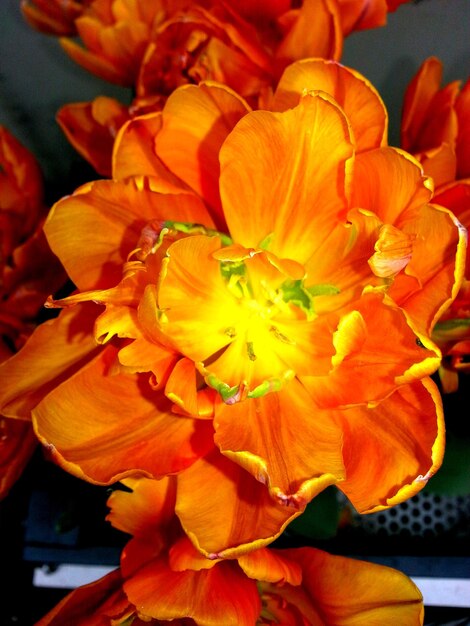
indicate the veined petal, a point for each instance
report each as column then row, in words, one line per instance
column 388, row 181
column 214, row 492
column 265, row 442
column 119, row 211
column 184, row 556
column 359, row 99
column 54, row 351
column 196, row 121
column 298, row 181
column 182, row 389
column 114, row 429
column 392, row 450
column 220, row 595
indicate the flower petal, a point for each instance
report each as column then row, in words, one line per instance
column 54, row 351
column 17, row 444
column 118, row 211
column 262, row 435
column 196, row 121
column 225, row 511
column 358, row 98
column 391, row 450
column 266, row 564
column 220, row 595
column 114, row 429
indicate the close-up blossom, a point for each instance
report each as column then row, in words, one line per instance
column 248, row 262
column 436, row 129
column 163, row 579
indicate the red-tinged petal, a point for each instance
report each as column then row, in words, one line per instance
column 115, row 422
column 54, row 351
column 348, row 592
column 439, row 163
column 150, row 504
column 91, row 128
column 220, row 595
column 196, row 121
column 134, row 154
column 119, row 211
column 181, row 388
column 91, row 605
column 387, row 182
column 95, row 64
column 362, row 14
column 271, row 566
column 313, row 30
column 437, row 265
column 456, row 198
column 225, row 511
column 392, row 450
column 17, row 444
column 360, row 101
column 462, row 108
column 303, row 161
column 418, row 97
column 265, row 442
column 373, row 367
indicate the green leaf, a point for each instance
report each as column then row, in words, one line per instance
column 453, row 478
column 321, row 517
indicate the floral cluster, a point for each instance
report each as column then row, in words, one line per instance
column 222, row 353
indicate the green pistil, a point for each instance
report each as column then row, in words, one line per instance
column 197, row 229
column 226, row 392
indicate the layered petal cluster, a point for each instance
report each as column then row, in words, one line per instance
column 156, row 47
column 234, row 282
column 28, row 273
column 162, row 579
column 436, row 128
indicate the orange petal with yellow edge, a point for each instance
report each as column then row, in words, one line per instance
column 182, row 389
column 372, row 367
column 196, row 121
column 117, row 211
column 392, row 450
column 358, row 98
column 338, row 591
column 265, row 442
column 297, row 185
column 225, row 511
column 55, row 350
column 220, row 595
column 115, row 430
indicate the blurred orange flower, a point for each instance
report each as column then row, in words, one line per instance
column 162, row 579
column 28, row 273
column 54, row 17
column 245, row 303
column 436, row 128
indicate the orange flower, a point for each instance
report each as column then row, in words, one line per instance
column 163, row 579
column 54, row 17
column 365, row 14
column 250, row 299
column 436, row 128
column 28, row 270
